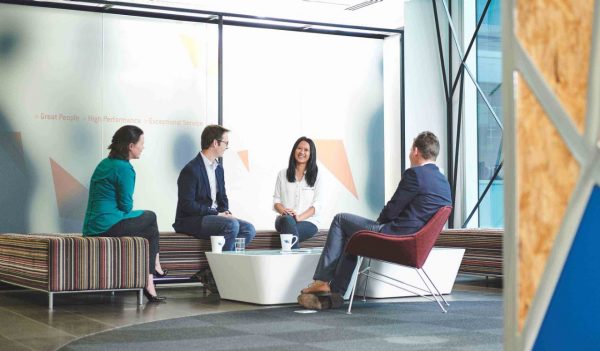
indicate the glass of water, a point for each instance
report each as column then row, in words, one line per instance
column 240, row 244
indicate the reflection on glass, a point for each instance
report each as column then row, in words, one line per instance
column 489, row 133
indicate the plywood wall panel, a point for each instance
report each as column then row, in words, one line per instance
column 557, row 35
column 546, row 176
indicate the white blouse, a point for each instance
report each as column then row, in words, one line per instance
column 299, row 196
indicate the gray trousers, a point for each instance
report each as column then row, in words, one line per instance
column 335, row 266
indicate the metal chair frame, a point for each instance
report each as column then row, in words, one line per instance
column 367, row 272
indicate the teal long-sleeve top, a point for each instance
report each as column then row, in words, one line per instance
column 111, row 196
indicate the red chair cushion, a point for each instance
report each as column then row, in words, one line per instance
column 409, row 250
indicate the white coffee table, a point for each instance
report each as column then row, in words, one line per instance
column 264, row 277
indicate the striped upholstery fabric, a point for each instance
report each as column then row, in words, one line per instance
column 183, row 255
column 71, row 262
column 483, row 249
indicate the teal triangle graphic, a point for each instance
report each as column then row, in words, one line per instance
column 572, row 321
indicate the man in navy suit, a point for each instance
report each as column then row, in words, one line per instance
column 422, row 191
column 202, row 204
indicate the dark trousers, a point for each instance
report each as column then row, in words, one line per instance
column 303, row 230
column 143, row 226
column 335, row 266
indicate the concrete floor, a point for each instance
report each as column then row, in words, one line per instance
column 27, row 324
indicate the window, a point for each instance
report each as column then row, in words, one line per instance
column 489, row 131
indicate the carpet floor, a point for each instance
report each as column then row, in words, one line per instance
column 469, row 325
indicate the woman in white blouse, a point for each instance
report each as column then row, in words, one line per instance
column 297, row 197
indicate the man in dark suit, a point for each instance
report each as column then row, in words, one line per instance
column 202, row 204
column 422, row 191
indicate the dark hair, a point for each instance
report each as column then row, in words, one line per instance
column 428, row 145
column 210, row 133
column 311, row 166
column 119, row 146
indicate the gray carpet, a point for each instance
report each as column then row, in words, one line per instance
column 372, row 326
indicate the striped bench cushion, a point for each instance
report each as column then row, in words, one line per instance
column 483, row 249
column 183, row 255
column 70, row 262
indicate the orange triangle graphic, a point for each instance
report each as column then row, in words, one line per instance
column 192, row 48
column 244, row 157
column 71, row 195
column 332, row 155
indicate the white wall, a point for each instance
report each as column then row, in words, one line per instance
column 392, row 105
column 425, row 100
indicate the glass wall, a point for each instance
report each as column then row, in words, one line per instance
column 281, row 85
column 489, row 131
column 65, row 91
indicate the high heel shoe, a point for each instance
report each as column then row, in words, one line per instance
column 153, row 298
column 164, row 274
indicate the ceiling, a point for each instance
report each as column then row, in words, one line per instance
column 387, row 14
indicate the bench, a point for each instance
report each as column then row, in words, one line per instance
column 71, row 263
column 483, row 254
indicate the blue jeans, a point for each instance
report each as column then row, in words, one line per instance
column 303, row 230
column 335, row 266
column 230, row 228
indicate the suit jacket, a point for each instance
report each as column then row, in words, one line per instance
column 422, row 191
column 193, row 195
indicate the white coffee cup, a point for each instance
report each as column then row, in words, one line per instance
column 217, row 243
column 287, row 241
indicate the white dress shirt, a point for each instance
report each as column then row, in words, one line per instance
column 299, row 196
column 211, row 168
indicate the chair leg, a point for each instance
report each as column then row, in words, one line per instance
column 140, row 297
column 435, row 287
column 366, row 281
column 428, row 288
column 355, row 278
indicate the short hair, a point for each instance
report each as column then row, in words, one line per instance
column 428, row 145
column 211, row 133
column 119, row 146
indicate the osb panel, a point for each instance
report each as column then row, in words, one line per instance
column 546, row 177
column 557, row 34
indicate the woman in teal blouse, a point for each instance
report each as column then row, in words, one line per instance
column 110, row 205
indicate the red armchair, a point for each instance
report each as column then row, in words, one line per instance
column 408, row 250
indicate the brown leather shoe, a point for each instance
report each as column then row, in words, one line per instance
column 337, row 300
column 312, row 302
column 317, row 287
column 320, row 302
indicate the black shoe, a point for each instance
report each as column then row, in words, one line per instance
column 158, row 275
column 205, row 277
column 154, row 298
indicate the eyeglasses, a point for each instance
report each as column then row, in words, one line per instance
column 223, row 141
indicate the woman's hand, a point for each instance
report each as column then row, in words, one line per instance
column 290, row 212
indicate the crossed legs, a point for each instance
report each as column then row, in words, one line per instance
column 144, row 226
column 335, row 268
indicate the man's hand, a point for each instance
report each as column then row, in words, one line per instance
column 226, row 214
